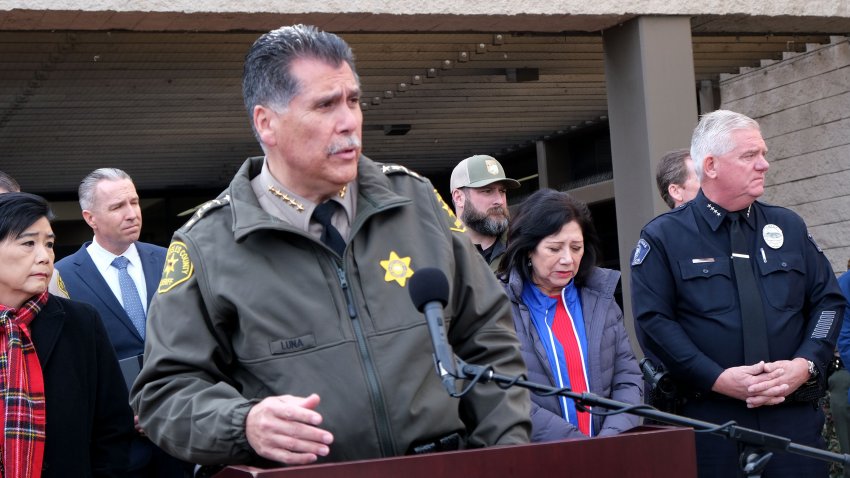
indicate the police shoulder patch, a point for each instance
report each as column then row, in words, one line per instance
column 58, row 285
column 178, row 267
column 454, row 223
column 640, row 253
column 205, row 208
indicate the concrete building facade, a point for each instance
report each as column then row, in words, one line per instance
column 803, row 106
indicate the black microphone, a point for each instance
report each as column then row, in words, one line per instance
column 429, row 291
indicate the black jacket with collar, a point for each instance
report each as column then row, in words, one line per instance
column 89, row 422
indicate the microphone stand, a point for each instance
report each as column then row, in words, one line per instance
column 753, row 459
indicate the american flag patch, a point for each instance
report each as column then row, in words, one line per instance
column 827, row 317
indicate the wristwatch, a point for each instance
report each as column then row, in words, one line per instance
column 813, row 371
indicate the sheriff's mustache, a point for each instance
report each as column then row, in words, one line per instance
column 350, row 142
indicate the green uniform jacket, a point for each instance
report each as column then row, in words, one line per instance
column 250, row 307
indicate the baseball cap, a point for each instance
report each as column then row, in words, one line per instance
column 478, row 171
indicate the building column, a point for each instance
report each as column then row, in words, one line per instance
column 553, row 164
column 652, row 109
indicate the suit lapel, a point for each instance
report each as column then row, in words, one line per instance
column 91, row 278
column 152, row 269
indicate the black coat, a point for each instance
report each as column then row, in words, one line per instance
column 89, row 422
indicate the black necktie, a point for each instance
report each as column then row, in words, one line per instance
column 330, row 235
column 752, row 313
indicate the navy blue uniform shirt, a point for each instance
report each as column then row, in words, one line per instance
column 685, row 301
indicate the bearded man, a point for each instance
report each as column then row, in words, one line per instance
column 479, row 188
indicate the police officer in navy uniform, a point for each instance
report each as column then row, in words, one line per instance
column 685, row 296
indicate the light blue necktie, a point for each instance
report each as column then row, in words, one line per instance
column 130, row 295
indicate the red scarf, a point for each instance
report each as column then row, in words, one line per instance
column 22, row 388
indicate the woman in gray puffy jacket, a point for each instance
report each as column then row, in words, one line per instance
column 570, row 328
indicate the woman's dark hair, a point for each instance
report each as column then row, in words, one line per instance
column 18, row 211
column 544, row 213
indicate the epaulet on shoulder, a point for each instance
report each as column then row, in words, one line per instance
column 768, row 205
column 783, row 212
column 399, row 169
column 674, row 211
column 204, row 208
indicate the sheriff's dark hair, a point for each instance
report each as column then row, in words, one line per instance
column 266, row 76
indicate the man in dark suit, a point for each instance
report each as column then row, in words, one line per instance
column 118, row 275
column 676, row 178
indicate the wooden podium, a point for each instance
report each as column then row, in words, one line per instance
column 648, row 451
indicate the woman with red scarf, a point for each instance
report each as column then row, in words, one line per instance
column 570, row 328
column 63, row 402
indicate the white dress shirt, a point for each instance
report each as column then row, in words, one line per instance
column 103, row 261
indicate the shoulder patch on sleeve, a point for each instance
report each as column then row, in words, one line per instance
column 178, row 267
column 454, row 223
column 205, row 208
column 641, row 251
column 57, row 285
column 814, row 243
column 398, row 169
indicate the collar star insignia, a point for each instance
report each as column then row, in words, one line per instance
column 288, row 200
column 713, row 209
column 398, row 269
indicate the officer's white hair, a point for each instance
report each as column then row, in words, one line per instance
column 89, row 184
column 713, row 135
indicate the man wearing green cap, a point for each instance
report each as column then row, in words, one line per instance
column 479, row 189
